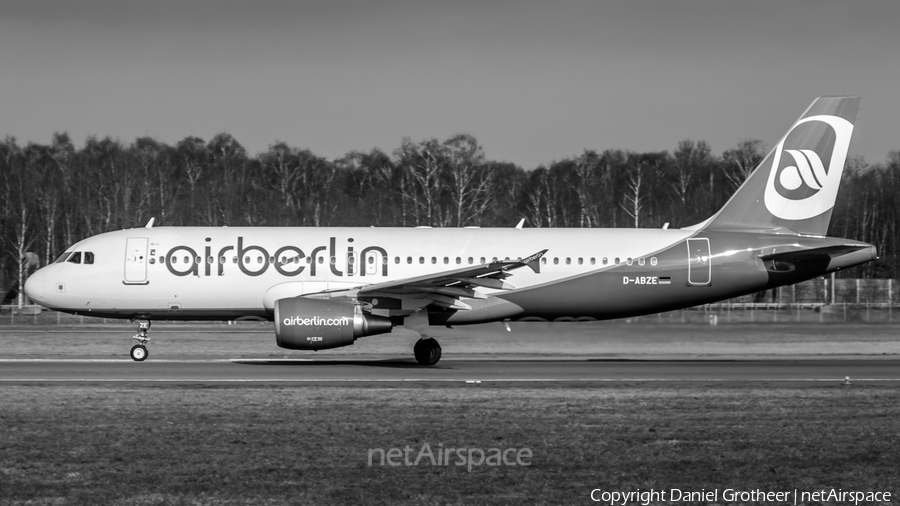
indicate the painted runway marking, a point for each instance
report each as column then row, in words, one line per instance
column 110, row 360
column 445, row 380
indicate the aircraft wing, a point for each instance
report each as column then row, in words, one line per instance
column 446, row 288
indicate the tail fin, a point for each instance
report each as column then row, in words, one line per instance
column 794, row 188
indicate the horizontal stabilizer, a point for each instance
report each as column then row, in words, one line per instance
column 806, row 255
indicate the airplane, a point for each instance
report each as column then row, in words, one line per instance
column 325, row 287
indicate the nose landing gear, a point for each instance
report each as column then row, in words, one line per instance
column 139, row 352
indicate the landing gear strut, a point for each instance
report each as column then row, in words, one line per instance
column 427, row 351
column 139, row 352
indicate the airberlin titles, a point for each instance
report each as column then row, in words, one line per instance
column 288, row 260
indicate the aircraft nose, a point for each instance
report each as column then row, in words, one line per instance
column 36, row 285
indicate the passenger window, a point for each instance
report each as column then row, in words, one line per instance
column 75, row 258
column 482, row 259
column 234, row 259
column 458, row 260
column 88, row 257
column 434, row 260
column 396, row 260
column 371, row 260
column 421, row 260
column 187, row 259
column 653, row 261
column 210, row 260
column 617, row 260
column 605, row 261
column 555, row 260
column 580, row 260
column 471, row 260
column 593, row 260
column 259, row 260
column 446, row 260
column 544, row 260
column 641, row 261
column 222, row 260
column 409, row 260
column 162, row 260
column 568, row 261
column 628, row 261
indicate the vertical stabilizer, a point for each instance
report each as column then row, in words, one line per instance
column 795, row 186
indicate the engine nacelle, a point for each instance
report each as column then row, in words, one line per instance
column 318, row 324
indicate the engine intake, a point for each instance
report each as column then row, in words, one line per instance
column 319, row 324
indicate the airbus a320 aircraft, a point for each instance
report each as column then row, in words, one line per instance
column 326, row 287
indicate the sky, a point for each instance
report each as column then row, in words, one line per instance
column 533, row 81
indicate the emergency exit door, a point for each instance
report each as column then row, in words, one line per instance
column 699, row 262
column 136, row 260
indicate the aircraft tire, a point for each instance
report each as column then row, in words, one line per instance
column 139, row 353
column 427, row 351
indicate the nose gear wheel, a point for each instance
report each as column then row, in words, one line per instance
column 139, row 351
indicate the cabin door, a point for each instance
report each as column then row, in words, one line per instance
column 699, row 262
column 136, row 260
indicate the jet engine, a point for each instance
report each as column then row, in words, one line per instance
column 319, row 324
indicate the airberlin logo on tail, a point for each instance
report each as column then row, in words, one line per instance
column 801, row 185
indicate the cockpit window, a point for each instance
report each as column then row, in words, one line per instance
column 76, row 257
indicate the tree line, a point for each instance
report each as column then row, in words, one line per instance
column 56, row 194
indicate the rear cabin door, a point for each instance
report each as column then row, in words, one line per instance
column 136, row 260
column 699, row 262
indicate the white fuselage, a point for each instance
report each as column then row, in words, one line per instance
column 229, row 272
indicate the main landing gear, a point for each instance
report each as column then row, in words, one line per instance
column 427, row 351
column 139, row 352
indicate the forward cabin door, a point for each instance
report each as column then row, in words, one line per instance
column 699, row 262
column 136, row 260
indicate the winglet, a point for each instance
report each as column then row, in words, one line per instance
column 534, row 261
column 150, row 223
column 521, row 223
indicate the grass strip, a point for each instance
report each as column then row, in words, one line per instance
column 190, row 445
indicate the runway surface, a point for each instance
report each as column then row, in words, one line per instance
column 402, row 370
